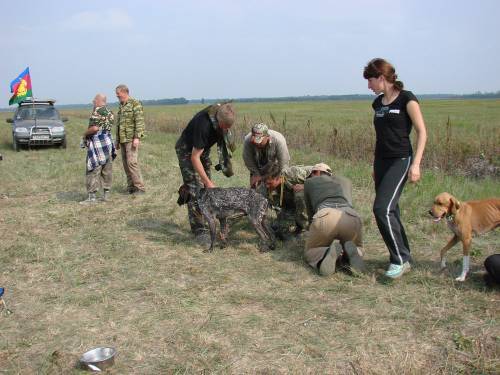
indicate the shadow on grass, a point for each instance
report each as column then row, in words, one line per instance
column 289, row 251
column 70, row 196
column 4, row 146
column 79, row 195
column 285, row 251
column 162, row 230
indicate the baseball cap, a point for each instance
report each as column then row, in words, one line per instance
column 322, row 167
column 259, row 131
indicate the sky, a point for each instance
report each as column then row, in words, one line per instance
column 237, row 49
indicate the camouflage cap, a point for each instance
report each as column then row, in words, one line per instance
column 322, row 167
column 259, row 131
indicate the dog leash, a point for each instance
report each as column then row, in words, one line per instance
column 281, row 192
column 282, row 182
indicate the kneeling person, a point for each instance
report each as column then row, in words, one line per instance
column 285, row 190
column 335, row 231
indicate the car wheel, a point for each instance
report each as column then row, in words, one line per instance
column 63, row 144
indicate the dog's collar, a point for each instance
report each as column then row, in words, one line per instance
column 450, row 217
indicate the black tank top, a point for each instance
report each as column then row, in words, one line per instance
column 393, row 126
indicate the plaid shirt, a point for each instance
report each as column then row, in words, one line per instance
column 100, row 148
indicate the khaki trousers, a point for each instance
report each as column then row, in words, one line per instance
column 131, row 166
column 331, row 224
column 102, row 175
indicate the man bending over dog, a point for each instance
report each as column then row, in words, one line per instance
column 261, row 148
column 209, row 126
column 335, row 231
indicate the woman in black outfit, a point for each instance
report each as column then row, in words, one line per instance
column 396, row 112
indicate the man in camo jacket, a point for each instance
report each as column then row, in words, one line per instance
column 129, row 131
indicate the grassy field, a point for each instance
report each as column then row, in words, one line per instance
column 127, row 273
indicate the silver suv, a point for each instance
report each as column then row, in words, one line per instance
column 37, row 123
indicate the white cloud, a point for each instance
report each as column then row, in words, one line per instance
column 104, row 20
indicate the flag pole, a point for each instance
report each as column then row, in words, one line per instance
column 33, row 102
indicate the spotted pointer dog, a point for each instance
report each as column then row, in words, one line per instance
column 228, row 203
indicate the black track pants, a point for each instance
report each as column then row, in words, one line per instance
column 390, row 178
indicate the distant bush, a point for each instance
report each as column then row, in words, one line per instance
column 173, row 101
column 459, row 131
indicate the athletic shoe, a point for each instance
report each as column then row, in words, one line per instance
column 396, row 270
column 355, row 257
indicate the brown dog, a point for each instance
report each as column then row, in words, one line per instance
column 465, row 219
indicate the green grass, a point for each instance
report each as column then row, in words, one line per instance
column 128, row 274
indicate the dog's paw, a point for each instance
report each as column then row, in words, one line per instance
column 264, row 248
column 460, row 278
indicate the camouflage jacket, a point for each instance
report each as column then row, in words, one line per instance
column 294, row 175
column 129, row 121
column 102, row 117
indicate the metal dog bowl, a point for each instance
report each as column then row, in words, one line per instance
column 98, row 359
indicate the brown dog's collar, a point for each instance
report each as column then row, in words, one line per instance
column 450, row 217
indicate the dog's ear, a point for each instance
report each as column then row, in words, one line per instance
column 454, row 205
column 184, row 195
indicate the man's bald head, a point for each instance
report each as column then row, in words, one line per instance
column 99, row 100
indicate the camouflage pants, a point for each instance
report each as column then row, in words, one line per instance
column 99, row 176
column 292, row 215
column 192, row 179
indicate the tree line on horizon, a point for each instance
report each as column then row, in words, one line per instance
column 304, row 98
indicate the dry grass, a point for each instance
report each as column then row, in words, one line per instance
column 458, row 130
column 127, row 274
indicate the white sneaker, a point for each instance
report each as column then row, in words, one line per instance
column 396, row 270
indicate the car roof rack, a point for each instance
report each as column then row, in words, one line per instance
column 37, row 101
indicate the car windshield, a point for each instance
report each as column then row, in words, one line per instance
column 40, row 112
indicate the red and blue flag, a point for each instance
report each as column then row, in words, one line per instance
column 21, row 87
